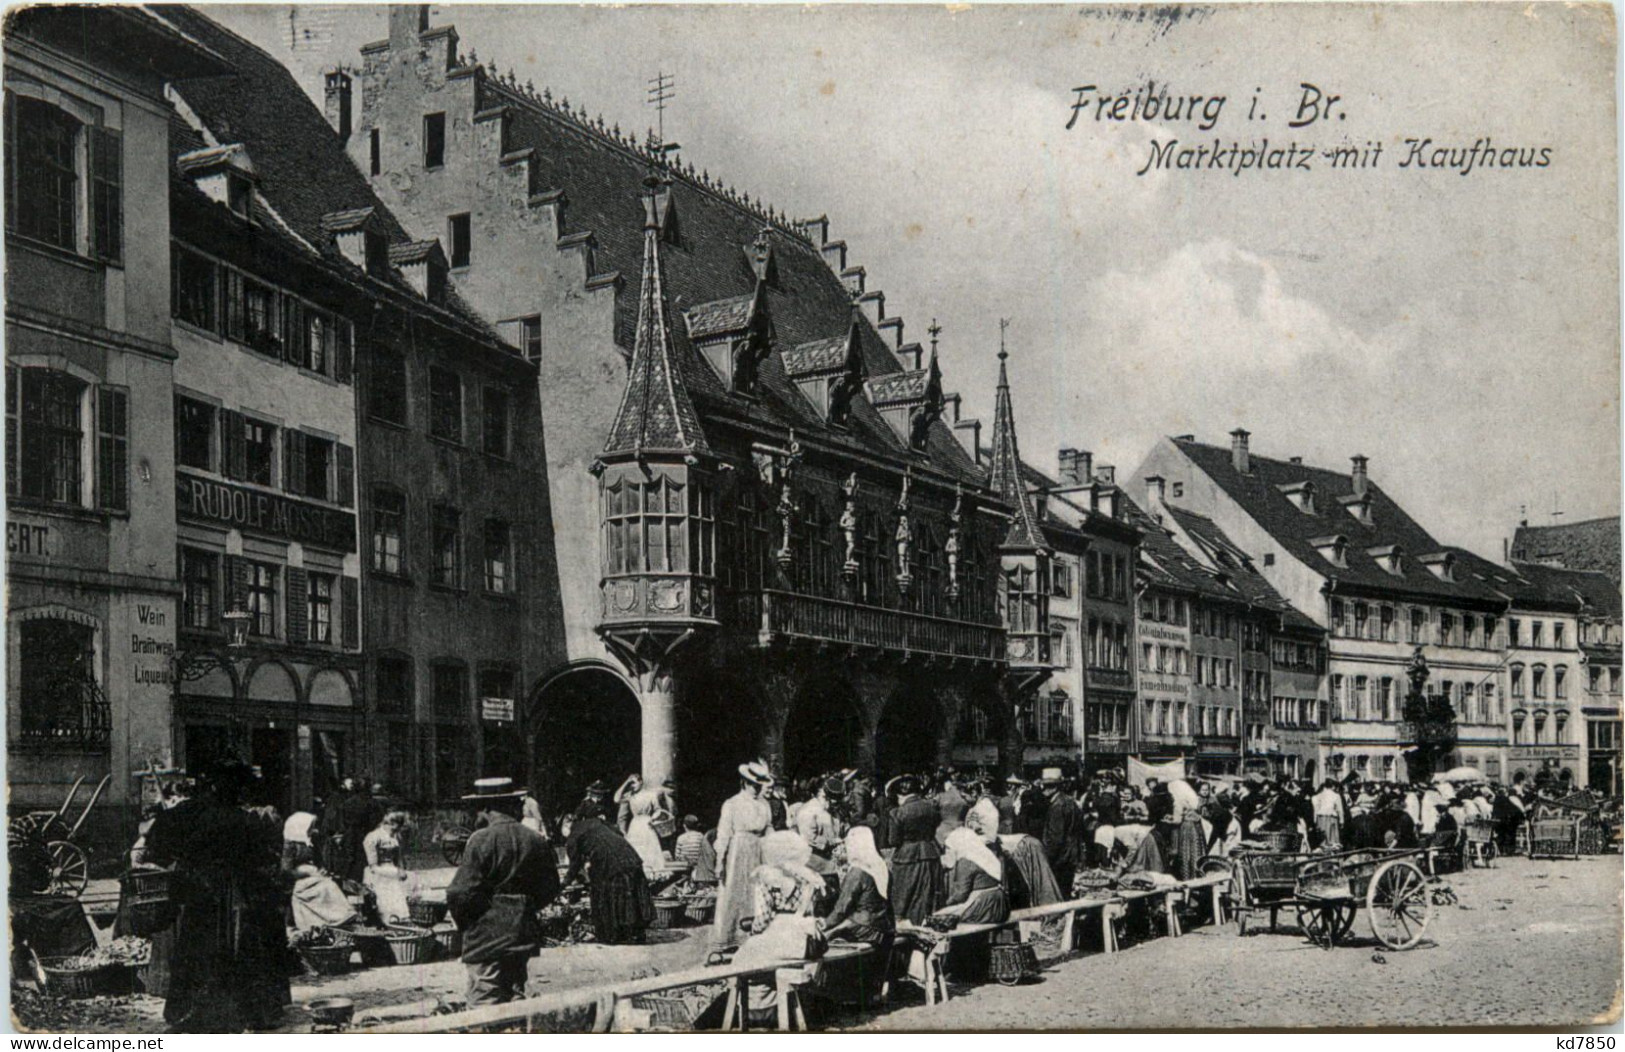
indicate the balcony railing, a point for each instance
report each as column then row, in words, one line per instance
column 77, row 716
column 837, row 621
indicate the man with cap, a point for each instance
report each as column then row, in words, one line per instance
column 1063, row 830
column 508, row 872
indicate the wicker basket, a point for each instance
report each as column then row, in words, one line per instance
column 663, row 824
column 1284, row 841
column 666, row 1011
column 1013, row 962
column 449, row 939
column 700, row 911
column 426, row 913
column 327, row 960
column 668, row 913
column 66, row 982
column 375, row 952
column 410, row 945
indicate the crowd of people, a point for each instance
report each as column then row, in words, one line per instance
column 795, row 865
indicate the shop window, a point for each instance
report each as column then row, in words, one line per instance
column 200, row 573
column 388, row 531
column 319, row 608
column 449, row 684
column 498, row 557
column 494, row 423
column 260, row 595
column 394, row 684
column 59, row 700
column 447, row 546
column 445, row 404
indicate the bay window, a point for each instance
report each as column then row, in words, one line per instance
column 661, row 524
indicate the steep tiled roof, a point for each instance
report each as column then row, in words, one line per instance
column 1241, row 578
column 656, row 413
column 1537, row 585
column 346, row 219
column 807, row 301
column 1006, row 469
column 1589, row 545
column 1259, row 493
column 898, row 387
column 711, row 319
column 818, row 356
column 300, row 167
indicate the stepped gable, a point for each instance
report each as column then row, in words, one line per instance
column 707, row 266
column 300, row 167
column 1245, row 582
column 1589, row 545
column 1258, row 493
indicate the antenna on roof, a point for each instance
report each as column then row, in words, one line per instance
column 662, row 89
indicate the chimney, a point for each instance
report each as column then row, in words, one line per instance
column 1073, row 466
column 874, row 305
column 406, row 21
column 969, row 433
column 854, row 278
column 1107, row 473
column 834, row 255
column 817, row 230
column 912, row 354
column 952, row 401
column 1297, row 460
column 1156, row 489
column 337, row 102
column 1358, row 475
column 892, row 328
column 1239, row 458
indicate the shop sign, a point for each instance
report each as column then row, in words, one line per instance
column 226, row 504
column 497, row 710
column 31, row 539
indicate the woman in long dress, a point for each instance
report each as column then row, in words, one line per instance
column 645, row 803
column 621, row 905
column 745, row 819
column 318, row 901
column 1189, row 840
column 976, row 895
column 386, row 872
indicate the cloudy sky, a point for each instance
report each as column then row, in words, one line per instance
column 1461, row 330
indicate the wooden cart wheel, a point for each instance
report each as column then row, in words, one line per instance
column 1324, row 925
column 42, row 825
column 452, row 842
column 1238, row 898
column 70, row 868
column 1399, row 905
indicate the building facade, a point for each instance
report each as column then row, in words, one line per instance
column 1341, row 552
column 91, row 605
column 359, row 463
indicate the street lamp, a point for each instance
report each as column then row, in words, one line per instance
column 237, row 620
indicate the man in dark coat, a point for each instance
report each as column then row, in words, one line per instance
column 508, row 872
column 1008, row 805
column 621, row 906
column 1063, row 832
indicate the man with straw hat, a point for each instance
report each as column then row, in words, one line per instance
column 508, row 872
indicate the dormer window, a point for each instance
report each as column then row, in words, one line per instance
column 239, row 195
column 1333, row 549
column 1441, row 564
column 377, row 249
column 1359, row 506
column 1301, row 494
column 1390, row 557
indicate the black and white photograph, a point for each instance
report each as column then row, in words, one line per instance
column 844, row 518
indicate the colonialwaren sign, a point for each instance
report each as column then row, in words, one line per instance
column 256, row 511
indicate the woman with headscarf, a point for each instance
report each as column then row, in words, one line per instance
column 976, row 895
column 1189, row 839
column 317, row 899
column 385, row 874
column 862, row 912
column 1028, row 878
column 744, row 821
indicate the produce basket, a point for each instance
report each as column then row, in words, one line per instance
column 700, row 911
column 449, row 938
column 1013, row 962
column 69, row 977
column 146, row 899
column 668, row 913
column 327, row 960
column 410, row 945
column 426, row 913
column 375, row 951
column 667, row 1011
column 1281, row 842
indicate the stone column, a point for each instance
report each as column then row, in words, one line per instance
column 951, row 702
column 1013, row 696
column 657, row 700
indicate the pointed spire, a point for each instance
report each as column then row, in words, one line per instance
column 1006, row 463
column 656, row 414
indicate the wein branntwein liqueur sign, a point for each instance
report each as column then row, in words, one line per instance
column 208, row 500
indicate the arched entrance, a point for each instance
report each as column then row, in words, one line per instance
column 586, row 726
column 824, row 731
column 906, row 738
column 719, row 727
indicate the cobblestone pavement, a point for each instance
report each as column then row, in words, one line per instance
column 1530, row 944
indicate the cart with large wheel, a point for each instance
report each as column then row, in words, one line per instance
column 1261, row 882
column 1392, row 885
column 48, row 836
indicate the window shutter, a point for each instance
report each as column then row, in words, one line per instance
column 107, row 193
column 350, row 612
column 293, row 460
column 231, row 305
column 236, row 583
column 113, row 448
column 298, row 605
column 232, row 451
column 343, row 351
column 14, row 401
column 294, row 333
column 344, row 472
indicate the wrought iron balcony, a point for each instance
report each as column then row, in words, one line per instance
column 90, row 727
column 854, row 624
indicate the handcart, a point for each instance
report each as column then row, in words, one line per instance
column 1480, row 843
column 1262, row 881
column 50, row 836
column 1393, row 885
